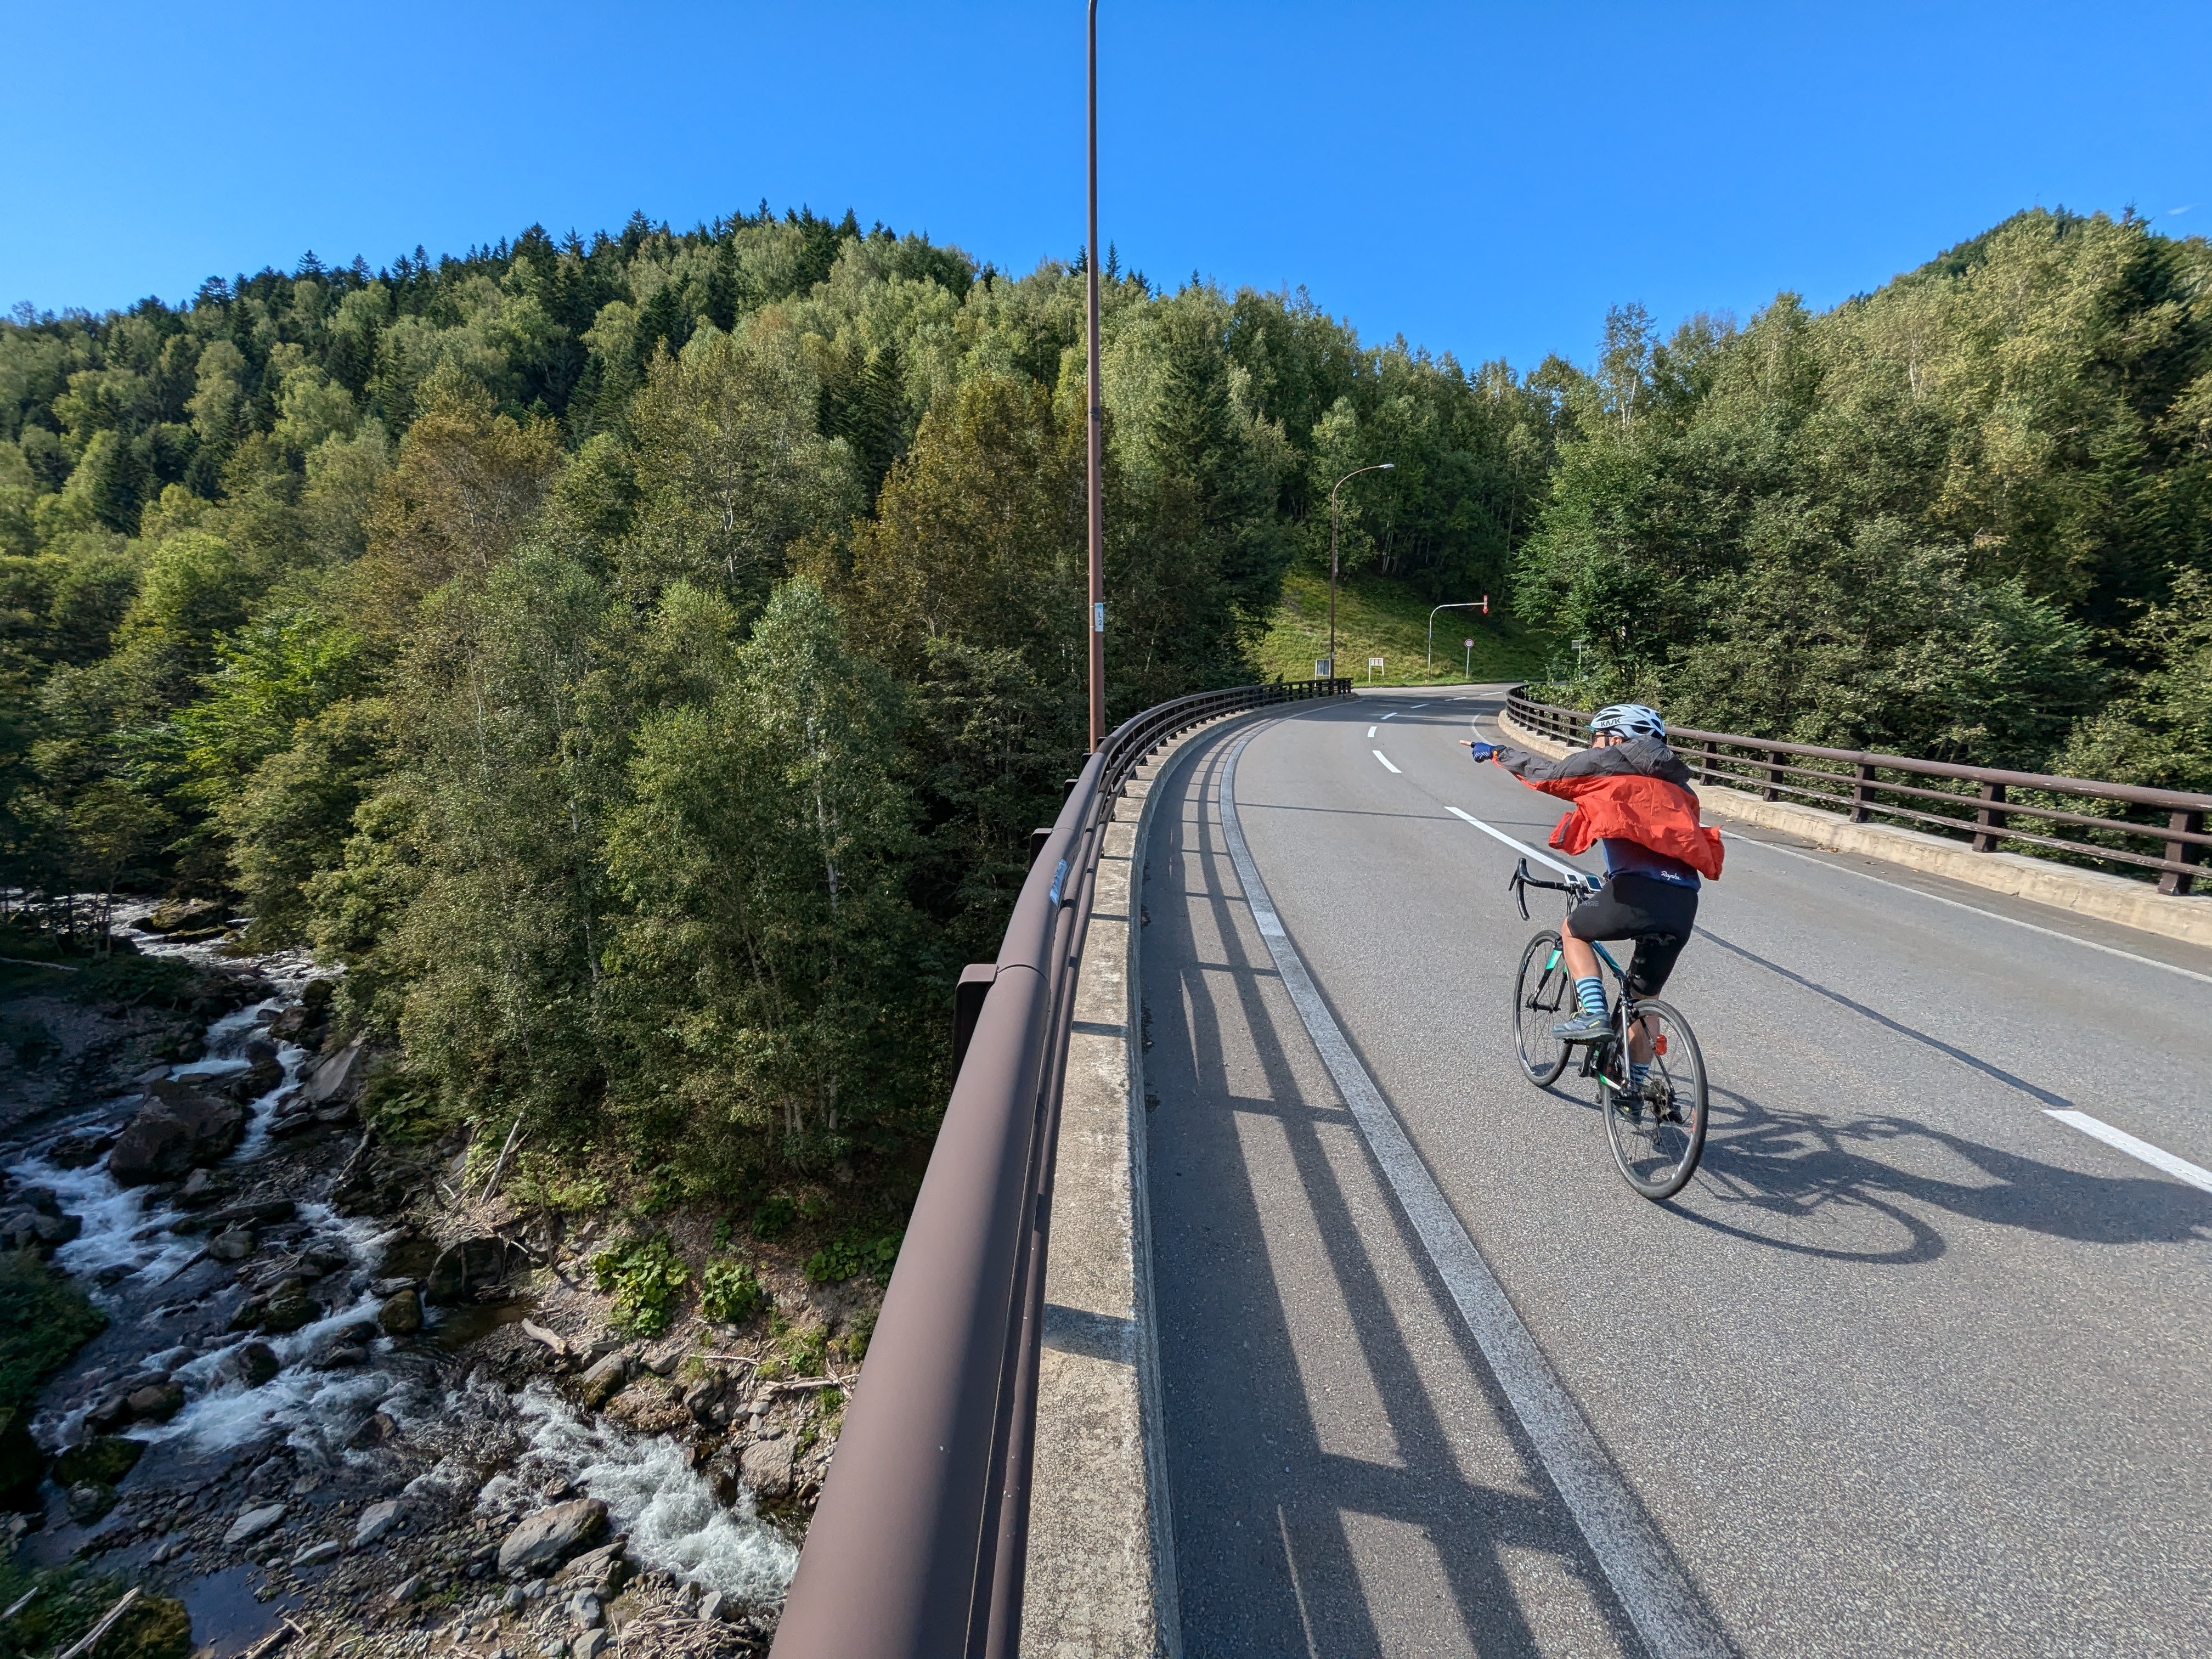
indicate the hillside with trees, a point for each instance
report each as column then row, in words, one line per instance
column 641, row 661
column 1966, row 516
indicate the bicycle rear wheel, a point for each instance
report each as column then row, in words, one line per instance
column 1543, row 994
column 1659, row 1135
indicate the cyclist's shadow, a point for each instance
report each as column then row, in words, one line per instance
column 1842, row 1190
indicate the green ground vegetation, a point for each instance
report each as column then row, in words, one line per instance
column 1376, row 617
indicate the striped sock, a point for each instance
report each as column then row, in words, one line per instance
column 1590, row 993
column 1638, row 1074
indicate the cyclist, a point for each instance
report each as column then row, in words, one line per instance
column 1631, row 793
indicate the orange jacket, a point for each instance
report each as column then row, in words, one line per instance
column 1636, row 791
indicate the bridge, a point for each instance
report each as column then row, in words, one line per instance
column 1916, row 1365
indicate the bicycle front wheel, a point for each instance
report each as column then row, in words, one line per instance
column 1658, row 1132
column 1543, row 994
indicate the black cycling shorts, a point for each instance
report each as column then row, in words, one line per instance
column 1657, row 914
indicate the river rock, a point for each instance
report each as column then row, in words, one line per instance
column 82, row 1150
column 105, row 1459
column 153, row 1402
column 336, row 1077
column 253, row 1364
column 767, row 1466
column 201, row 1187
column 606, row 1380
column 462, row 1269
column 315, row 1554
column 252, row 1523
column 375, row 1520
column 179, row 1129
column 591, row 1645
column 551, row 1536
column 715, row 1605
column 663, row 1361
column 401, row 1314
column 232, row 1244
column 189, row 917
column 288, row 1308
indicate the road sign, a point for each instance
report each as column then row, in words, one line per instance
column 1321, row 669
column 1469, row 644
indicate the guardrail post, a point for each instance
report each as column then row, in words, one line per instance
column 1711, row 773
column 975, row 981
column 1990, row 820
column 2174, row 882
column 1773, row 790
column 1863, row 775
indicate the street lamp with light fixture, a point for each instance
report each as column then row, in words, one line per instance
column 1094, row 395
column 1379, row 466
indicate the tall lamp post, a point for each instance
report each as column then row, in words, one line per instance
column 1380, row 466
column 1097, row 420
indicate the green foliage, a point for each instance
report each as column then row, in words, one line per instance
column 855, row 1251
column 644, row 1276
column 1911, row 523
column 730, row 1290
column 44, row 1319
column 800, row 1352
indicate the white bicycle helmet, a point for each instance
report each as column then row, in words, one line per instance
column 1629, row 719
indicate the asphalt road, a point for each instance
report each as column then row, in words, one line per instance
column 1912, row 1367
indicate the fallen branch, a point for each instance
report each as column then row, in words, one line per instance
column 25, row 961
column 90, row 1639
column 802, row 1384
column 537, row 1333
column 500, row 1167
column 19, row 1604
column 193, row 1259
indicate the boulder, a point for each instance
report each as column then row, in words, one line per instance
column 83, row 1149
column 156, row 1402
column 179, row 1129
column 463, row 1269
column 253, row 1364
column 23, row 1461
column 663, row 1361
column 336, row 1077
column 375, row 1520
column 315, row 1554
column 401, row 1314
column 606, row 1380
column 550, row 1537
column 104, row 1458
column 252, row 1524
column 288, row 1308
column 201, row 1187
column 767, row 1466
column 232, row 1244
column 41, row 1199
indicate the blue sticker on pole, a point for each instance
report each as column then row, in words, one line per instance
column 1098, row 617
column 1058, row 877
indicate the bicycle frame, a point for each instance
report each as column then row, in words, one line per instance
column 1594, row 1054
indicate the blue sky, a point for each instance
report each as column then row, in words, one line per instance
column 1482, row 179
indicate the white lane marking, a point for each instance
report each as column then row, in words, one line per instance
column 1371, row 731
column 1392, row 715
column 2179, row 1168
column 1652, row 1589
column 1384, row 758
column 1520, row 846
column 1994, row 915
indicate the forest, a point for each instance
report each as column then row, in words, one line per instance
column 640, row 661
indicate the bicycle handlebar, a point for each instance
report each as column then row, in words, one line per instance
column 1522, row 880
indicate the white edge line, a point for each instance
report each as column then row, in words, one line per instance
column 2179, row 1168
column 1384, row 758
column 1957, row 905
column 1371, row 731
column 1652, row 1590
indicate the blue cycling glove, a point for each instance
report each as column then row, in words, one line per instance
column 1481, row 752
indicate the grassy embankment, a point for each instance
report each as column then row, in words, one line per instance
column 1378, row 617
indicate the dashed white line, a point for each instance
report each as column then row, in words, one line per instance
column 1371, row 731
column 1384, row 758
column 1392, row 715
column 1655, row 1593
column 2179, row 1168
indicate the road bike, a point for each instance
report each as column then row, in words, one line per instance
column 1658, row 1131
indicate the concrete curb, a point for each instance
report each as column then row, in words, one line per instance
column 2085, row 892
column 1101, row 1570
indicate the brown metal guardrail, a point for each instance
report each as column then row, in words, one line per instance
column 917, row 1547
column 1866, row 786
